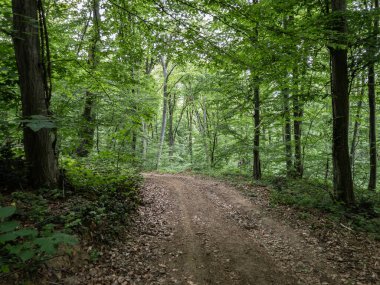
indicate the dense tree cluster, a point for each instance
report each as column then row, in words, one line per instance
column 267, row 87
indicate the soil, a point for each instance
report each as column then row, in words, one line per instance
column 194, row 230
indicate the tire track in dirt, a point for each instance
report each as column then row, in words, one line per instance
column 207, row 247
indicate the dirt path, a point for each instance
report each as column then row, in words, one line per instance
column 220, row 237
column 192, row 230
column 213, row 249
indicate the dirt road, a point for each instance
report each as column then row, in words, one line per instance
column 197, row 231
column 213, row 248
column 217, row 236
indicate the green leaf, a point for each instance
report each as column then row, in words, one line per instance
column 47, row 245
column 6, row 212
column 38, row 122
column 26, row 254
column 16, row 234
column 8, row 226
column 4, row 268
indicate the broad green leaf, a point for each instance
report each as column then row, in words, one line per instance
column 16, row 234
column 6, row 212
column 8, row 226
column 26, row 254
column 38, row 122
column 47, row 245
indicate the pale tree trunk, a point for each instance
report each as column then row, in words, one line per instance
column 372, row 102
column 39, row 146
column 166, row 74
column 144, row 140
column 190, row 126
column 343, row 185
column 355, row 134
column 149, row 64
column 172, row 100
column 287, row 134
column 203, row 131
column 87, row 129
column 297, row 127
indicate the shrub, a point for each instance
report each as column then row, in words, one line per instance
column 22, row 246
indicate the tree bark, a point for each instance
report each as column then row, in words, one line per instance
column 171, row 132
column 287, row 134
column 355, row 134
column 343, row 185
column 190, row 126
column 87, row 129
column 39, row 146
column 372, row 104
column 164, row 63
column 256, row 139
column 297, row 125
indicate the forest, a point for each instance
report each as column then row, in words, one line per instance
column 106, row 103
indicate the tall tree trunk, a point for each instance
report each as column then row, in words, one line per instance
column 39, row 146
column 297, row 125
column 355, row 134
column 164, row 63
column 343, row 185
column 171, row 131
column 87, row 129
column 149, row 64
column 287, row 134
column 190, row 124
column 372, row 103
column 256, row 139
column 144, row 140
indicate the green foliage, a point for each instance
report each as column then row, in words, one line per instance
column 12, row 167
column 310, row 195
column 24, row 246
column 38, row 122
column 31, row 206
column 107, row 200
column 95, row 178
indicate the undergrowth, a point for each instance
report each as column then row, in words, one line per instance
column 308, row 196
column 93, row 205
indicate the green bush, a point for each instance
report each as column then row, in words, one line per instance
column 21, row 246
column 108, row 198
column 307, row 195
column 92, row 178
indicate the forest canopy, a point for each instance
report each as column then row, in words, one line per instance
column 95, row 92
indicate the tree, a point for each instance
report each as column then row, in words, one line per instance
column 373, row 47
column 88, row 117
column 343, row 185
column 39, row 143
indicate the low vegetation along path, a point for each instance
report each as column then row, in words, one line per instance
column 194, row 230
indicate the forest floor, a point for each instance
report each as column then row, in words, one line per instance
column 197, row 230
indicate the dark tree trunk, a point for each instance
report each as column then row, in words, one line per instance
column 87, row 129
column 372, row 127
column 256, row 139
column 372, row 104
column 39, row 146
column 343, row 185
column 288, row 134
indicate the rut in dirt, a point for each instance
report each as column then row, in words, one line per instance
column 211, row 244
